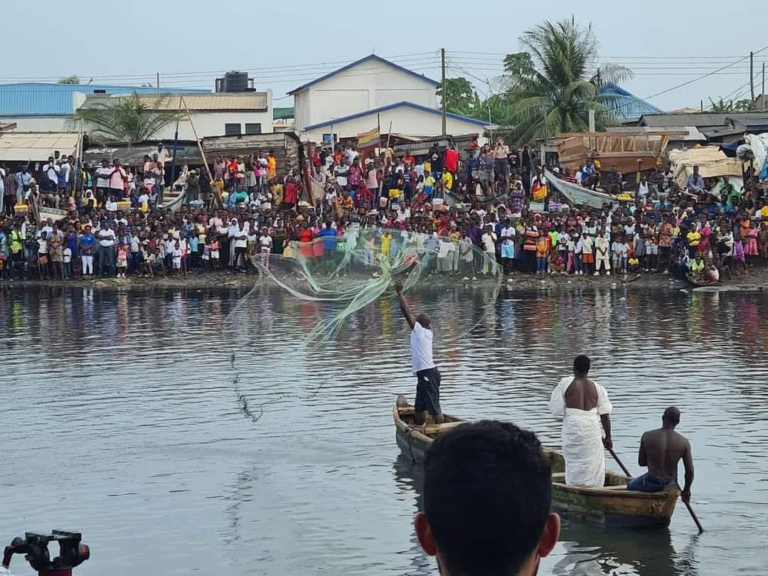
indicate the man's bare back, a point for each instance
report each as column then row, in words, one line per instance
column 661, row 450
column 581, row 394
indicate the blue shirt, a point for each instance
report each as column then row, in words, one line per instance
column 329, row 238
column 87, row 241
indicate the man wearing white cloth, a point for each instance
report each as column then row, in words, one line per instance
column 583, row 405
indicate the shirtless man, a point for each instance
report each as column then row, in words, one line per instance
column 427, row 374
column 585, row 408
column 661, row 450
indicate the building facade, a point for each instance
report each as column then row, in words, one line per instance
column 354, row 98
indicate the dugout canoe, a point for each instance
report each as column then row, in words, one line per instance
column 611, row 506
column 579, row 195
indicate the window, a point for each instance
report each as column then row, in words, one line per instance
column 253, row 128
column 232, row 129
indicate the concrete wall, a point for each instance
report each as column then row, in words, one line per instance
column 404, row 121
column 368, row 85
column 38, row 123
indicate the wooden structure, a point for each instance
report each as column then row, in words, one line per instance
column 621, row 149
column 612, row 505
column 285, row 145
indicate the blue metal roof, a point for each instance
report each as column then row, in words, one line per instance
column 370, row 58
column 626, row 105
column 40, row 99
column 391, row 107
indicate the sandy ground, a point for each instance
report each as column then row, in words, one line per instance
column 756, row 279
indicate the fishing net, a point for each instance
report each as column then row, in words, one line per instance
column 329, row 281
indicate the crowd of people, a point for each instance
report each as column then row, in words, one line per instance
column 466, row 215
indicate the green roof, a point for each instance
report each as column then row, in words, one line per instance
column 282, row 113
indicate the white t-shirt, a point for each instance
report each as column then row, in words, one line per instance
column 52, row 171
column 421, row 348
column 102, row 177
column 106, row 238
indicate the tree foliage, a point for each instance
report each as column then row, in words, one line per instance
column 125, row 119
column 554, row 83
column 730, row 105
column 461, row 98
column 69, row 80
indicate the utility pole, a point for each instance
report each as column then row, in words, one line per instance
column 157, row 85
column 752, row 77
column 762, row 91
column 442, row 59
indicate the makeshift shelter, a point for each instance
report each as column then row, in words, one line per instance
column 712, row 163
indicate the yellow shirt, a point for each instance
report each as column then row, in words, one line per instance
column 693, row 239
column 385, row 241
column 448, row 180
column 429, row 181
column 764, row 212
column 427, row 167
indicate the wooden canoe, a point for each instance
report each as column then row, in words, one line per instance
column 612, row 505
column 579, row 195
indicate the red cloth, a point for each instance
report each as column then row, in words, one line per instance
column 451, row 160
column 291, row 194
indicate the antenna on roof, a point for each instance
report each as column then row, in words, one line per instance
column 373, row 49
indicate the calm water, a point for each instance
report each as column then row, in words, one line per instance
column 178, row 441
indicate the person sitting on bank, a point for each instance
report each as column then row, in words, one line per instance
column 583, row 405
column 487, row 496
column 661, row 451
column 427, row 375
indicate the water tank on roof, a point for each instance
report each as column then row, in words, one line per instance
column 234, row 82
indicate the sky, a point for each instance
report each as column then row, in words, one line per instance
column 285, row 44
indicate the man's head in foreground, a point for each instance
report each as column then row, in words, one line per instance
column 487, row 494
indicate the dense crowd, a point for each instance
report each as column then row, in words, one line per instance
column 464, row 214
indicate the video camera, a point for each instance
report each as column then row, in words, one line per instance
column 72, row 552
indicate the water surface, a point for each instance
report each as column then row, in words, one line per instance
column 179, row 441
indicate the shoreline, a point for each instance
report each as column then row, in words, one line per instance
column 756, row 280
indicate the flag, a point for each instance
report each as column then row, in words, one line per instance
column 368, row 139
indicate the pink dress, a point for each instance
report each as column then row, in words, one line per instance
column 738, row 251
column 751, row 247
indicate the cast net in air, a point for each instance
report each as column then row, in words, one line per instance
column 330, row 284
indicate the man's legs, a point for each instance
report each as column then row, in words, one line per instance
column 428, row 397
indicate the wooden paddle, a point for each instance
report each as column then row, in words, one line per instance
column 692, row 513
column 619, row 462
column 687, row 504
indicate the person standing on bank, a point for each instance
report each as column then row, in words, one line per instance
column 427, row 374
column 661, row 451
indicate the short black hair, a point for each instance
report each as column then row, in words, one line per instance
column 671, row 415
column 581, row 364
column 487, row 495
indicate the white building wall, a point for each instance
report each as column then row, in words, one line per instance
column 213, row 124
column 368, row 85
column 38, row 123
column 404, row 120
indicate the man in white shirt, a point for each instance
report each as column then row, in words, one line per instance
column 106, row 238
column 423, row 366
column 51, row 181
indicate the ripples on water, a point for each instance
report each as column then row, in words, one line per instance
column 121, row 419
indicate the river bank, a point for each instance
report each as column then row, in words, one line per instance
column 757, row 279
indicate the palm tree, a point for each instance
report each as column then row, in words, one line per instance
column 125, row 119
column 556, row 82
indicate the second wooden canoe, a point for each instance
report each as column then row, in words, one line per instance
column 613, row 505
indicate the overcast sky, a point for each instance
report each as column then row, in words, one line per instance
column 285, row 44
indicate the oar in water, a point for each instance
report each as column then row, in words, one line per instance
column 687, row 504
column 690, row 510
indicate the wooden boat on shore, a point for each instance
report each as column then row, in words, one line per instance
column 579, row 195
column 613, row 505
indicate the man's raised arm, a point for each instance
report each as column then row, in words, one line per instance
column 404, row 305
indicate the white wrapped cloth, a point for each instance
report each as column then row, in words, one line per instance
column 582, row 437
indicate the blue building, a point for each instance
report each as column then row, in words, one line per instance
column 40, row 107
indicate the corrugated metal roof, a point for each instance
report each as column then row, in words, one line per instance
column 696, row 119
column 624, row 104
column 35, row 147
column 40, row 99
column 693, row 133
column 749, row 119
column 222, row 101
